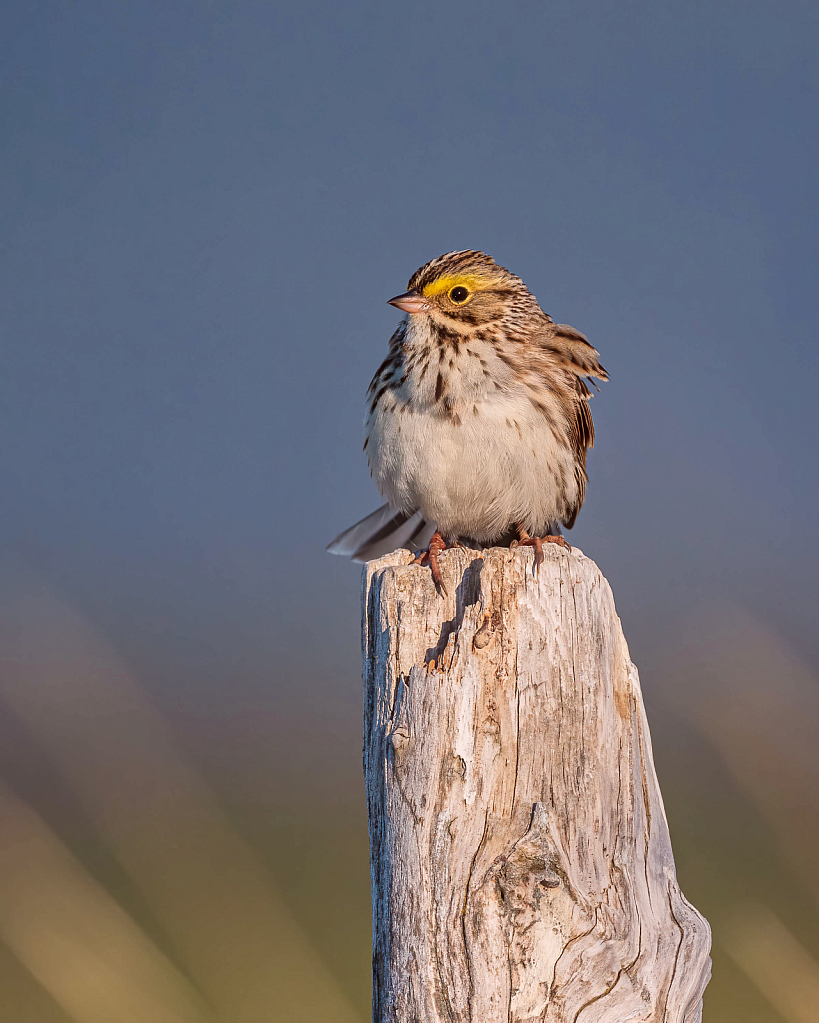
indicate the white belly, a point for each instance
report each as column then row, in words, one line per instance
column 478, row 477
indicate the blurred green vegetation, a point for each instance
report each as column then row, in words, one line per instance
column 151, row 870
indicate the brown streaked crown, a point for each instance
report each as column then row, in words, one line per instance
column 464, row 262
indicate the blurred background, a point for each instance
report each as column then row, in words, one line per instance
column 205, row 208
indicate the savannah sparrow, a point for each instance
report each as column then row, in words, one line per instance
column 478, row 420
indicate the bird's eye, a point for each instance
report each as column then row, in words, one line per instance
column 459, row 295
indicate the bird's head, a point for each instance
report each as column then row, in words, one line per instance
column 465, row 290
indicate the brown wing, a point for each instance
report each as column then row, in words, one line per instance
column 570, row 351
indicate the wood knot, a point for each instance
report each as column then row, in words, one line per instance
column 484, row 633
column 398, row 740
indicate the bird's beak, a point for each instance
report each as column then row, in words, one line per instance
column 409, row 302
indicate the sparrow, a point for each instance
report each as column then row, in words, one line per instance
column 477, row 422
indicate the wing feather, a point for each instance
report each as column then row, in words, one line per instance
column 568, row 350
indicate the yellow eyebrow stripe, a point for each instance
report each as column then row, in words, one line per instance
column 472, row 282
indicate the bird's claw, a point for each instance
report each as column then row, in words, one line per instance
column 537, row 542
column 429, row 556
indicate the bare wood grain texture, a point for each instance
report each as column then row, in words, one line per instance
column 520, row 856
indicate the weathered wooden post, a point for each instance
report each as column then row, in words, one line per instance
column 520, row 856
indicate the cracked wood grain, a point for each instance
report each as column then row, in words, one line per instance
column 520, row 858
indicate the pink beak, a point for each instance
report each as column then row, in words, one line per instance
column 409, row 302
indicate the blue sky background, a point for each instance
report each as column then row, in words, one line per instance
column 205, row 208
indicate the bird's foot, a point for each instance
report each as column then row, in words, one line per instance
column 537, row 542
column 429, row 556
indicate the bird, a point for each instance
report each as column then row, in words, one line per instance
column 477, row 422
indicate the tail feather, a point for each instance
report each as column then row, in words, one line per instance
column 382, row 531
